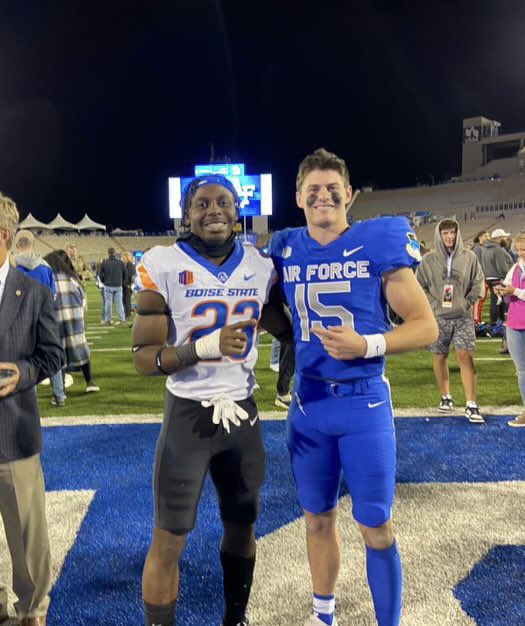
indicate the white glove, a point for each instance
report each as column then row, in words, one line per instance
column 225, row 410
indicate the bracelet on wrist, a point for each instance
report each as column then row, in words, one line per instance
column 158, row 361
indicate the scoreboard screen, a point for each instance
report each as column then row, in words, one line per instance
column 255, row 190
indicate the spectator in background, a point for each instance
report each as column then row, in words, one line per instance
column 71, row 306
column 80, row 266
column 274, row 355
column 286, row 371
column 496, row 262
column 452, row 278
column 29, row 352
column 506, row 243
column 127, row 259
column 113, row 275
column 513, row 290
column 282, row 361
column 479, row 241
column 32, row 264
column 100, row 287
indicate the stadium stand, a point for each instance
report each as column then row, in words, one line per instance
column 491, row 188
column 489, row 193
column 95, row 247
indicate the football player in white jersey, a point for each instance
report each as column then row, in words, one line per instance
column 198, row 305
column 338, row 280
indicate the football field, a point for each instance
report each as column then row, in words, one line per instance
column 124, row 392
column 459, row 512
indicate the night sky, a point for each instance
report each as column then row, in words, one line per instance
column 101, row 101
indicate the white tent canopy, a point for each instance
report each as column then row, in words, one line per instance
column 31, row 222
column 86, row 223
column 59, row 223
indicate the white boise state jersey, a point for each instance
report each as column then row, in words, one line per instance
column 340, row 284
column 202, row 297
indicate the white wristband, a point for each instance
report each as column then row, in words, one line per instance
column 208, row 347
column 375, row 346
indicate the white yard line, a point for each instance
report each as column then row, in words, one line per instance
column 112, row 349
column 154, row 418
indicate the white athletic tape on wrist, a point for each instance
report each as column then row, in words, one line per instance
column 375, row 346
column 225, row 410
column 209, row 346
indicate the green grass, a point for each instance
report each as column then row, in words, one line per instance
column 122, row 391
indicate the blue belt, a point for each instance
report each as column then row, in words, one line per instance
column 336, row 389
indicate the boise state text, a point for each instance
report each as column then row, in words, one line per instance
column 218, row 292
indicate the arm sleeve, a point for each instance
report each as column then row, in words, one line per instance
column 518, row 293
column 395, row 245
column 504, row 262
column 48, row 356
column 422, row 278
column 52, row 284
column 102, row 272
column 477, row 282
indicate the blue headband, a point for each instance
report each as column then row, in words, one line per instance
column 200, row 181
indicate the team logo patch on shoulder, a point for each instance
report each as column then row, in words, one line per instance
column 287, row 252
column 412, row 247
column 186, row 277
column 145, row 279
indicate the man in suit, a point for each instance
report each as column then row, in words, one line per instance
column 30, row 351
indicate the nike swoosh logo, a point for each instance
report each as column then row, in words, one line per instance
column 350, row 252
column 252, row 422
column 372, row 405
column 248, row 276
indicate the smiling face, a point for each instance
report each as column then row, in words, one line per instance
column 212, row 214
column 323, row 196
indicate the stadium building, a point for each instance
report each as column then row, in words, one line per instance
column 491, row 187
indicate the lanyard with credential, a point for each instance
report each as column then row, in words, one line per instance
column 448, row 288
column 449, row 265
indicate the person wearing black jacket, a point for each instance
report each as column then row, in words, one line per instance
column 113, row 276
column 496, row 262
column 127, row 258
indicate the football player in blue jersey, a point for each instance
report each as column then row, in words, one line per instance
column 198, row 303
column 338, row 281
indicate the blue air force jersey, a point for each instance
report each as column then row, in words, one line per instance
column 202, row 297
column 340, row 284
